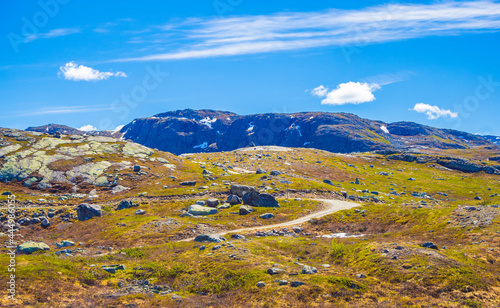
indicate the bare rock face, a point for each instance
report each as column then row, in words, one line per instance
column 87, row 211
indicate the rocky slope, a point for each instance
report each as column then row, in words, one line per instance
column 190, row 131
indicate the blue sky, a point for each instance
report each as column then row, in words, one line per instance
column 101, row 64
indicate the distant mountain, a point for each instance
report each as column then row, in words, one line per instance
column 188, row 131
column 56, row 129
column 493, row 139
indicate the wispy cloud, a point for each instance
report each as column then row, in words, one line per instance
column 67, row 110
column 52, row 34
column 294, row 31
column 72, row 71
column 433, row 112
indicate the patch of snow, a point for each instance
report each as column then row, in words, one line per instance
column 311, row 118
column 298, row 129
column 204, row 145
column 306, row 143
column 384, row 129
column 250, row 127
column 207, row 121
column 229, row 119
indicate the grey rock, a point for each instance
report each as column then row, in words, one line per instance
column 237, row 236
column 246, row 209
column 261, row 284
column 296, row 283
column 137, row 168
column 233, row 199
column 212, row 202
column 275, row 271
column 308, row 270
column 45, row 223
column 251, row 198
column 282, row 282
column 140, row 212
column 240, row 190
column 126, row 204
column 87, row 211
column 266, row 216
column 260, row 171
column 199, row 210
column 188, row 183
column 266, row 200
column 430, row 245
column 326, row 181
column 209, row 238
column 275, row 172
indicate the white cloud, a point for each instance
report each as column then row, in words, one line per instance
column 347, row 93
column 433, row 112
column 320, row 91
column 88, row 128
column 72, row 71
column 52, row 34
column 202, row 38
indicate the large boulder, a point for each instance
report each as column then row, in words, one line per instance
column 209, row 238
column 251, row 198
column 125, row 204
column 233, row 199
column 86, row 211
column 266, row 200
column 199, row 210
column 30, row 247
column 240, row 190
column 212, row 202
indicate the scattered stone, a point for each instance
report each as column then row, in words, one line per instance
column 296, row 283
column 65, row 243
column 233, row 199
column 140, row 212
column 297, row 229
column 266, row 216
column 45, row 223
column 87, row 211
column 113, row 268
column 308, row 270
column 477, row 198
column 275, row 173
column 246, row 209
column 126, row 204
column 137, row 168
column 328, row 182
column 430, row 245
column 260, row 171
column 224, row 206
column 237, row 236
column 188, row 183
column 261, row 284
column 212, row 202
column 209, row 238
column 361, row 276
column 282, row 282
column 6, row 193
column 275, row 271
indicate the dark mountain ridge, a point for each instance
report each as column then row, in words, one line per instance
column 188, row 131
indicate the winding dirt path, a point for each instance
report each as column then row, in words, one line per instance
column 332, row 206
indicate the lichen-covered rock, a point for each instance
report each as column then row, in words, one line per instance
column 209, row 238
column 199, row 210
column 30, row 247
